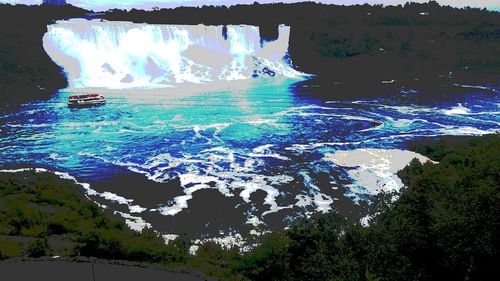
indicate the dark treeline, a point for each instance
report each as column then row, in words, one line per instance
column 444, row 226
column 25, row 69
column 372, row 43
column 352, row 48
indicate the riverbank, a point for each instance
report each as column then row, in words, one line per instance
column 39, row 206
column 442, row 226
column 26, row 71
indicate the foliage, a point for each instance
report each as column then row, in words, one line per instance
column 216, row 261
column 38, row 248
column 41, row 205
column 10, row 248
column 341, row 42
column 444, row 226
column 269, row 261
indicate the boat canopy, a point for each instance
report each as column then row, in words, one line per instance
column 86, row 96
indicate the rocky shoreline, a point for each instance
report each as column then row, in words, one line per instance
column 372, row 171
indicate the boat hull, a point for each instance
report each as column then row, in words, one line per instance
column 88, row 100
column 77, row 104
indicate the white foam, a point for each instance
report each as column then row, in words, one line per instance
column 264, row 151
column 466, row 130
column 193, row 249
column 55, row 156
column 134, row 223
column 254, row 232
column 262, row 148
column 228, row 241
column 374, row 170
column 136, row 209
column 411, row 110
column 261, row 121
column 187, row 179
column 218, row 128
column 322, row 201
column 169, row 237
column 303, row 200
column 473, row 86
column 365, row 221
column 255, row 221
column 116, row 198
column 457, row 110
column 219, row 165
column 259, row 182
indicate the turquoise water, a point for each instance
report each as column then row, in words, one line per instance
column 269, row 135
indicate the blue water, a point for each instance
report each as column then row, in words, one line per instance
column 264, row 135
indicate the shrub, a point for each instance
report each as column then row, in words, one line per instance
column 97, row 244
column 56, row 228
column 38, row 248
column 270, row 261
column 444, row 226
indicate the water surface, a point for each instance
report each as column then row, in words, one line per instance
column 228, row 159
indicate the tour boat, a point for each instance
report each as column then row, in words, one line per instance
column 86, row 100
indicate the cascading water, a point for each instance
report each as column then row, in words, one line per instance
column 120, row 55
column 208, row 161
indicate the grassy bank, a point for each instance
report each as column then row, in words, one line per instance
column 50, row 216
column 443, row 226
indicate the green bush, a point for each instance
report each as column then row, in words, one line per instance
column 11, row 248
column 56, row 228
column 38, row 248
column 270, row 261
column 216, row 261
column 99, row 244
column 444, row 226
column 148, row 247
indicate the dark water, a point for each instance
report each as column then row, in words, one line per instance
column 213, row 162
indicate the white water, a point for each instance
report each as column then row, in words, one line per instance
column 118, row 55
column 374, row 170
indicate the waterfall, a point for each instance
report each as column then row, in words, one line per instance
column 119, row 55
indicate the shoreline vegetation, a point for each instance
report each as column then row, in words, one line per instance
column 352, row 49
column 444, row 225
